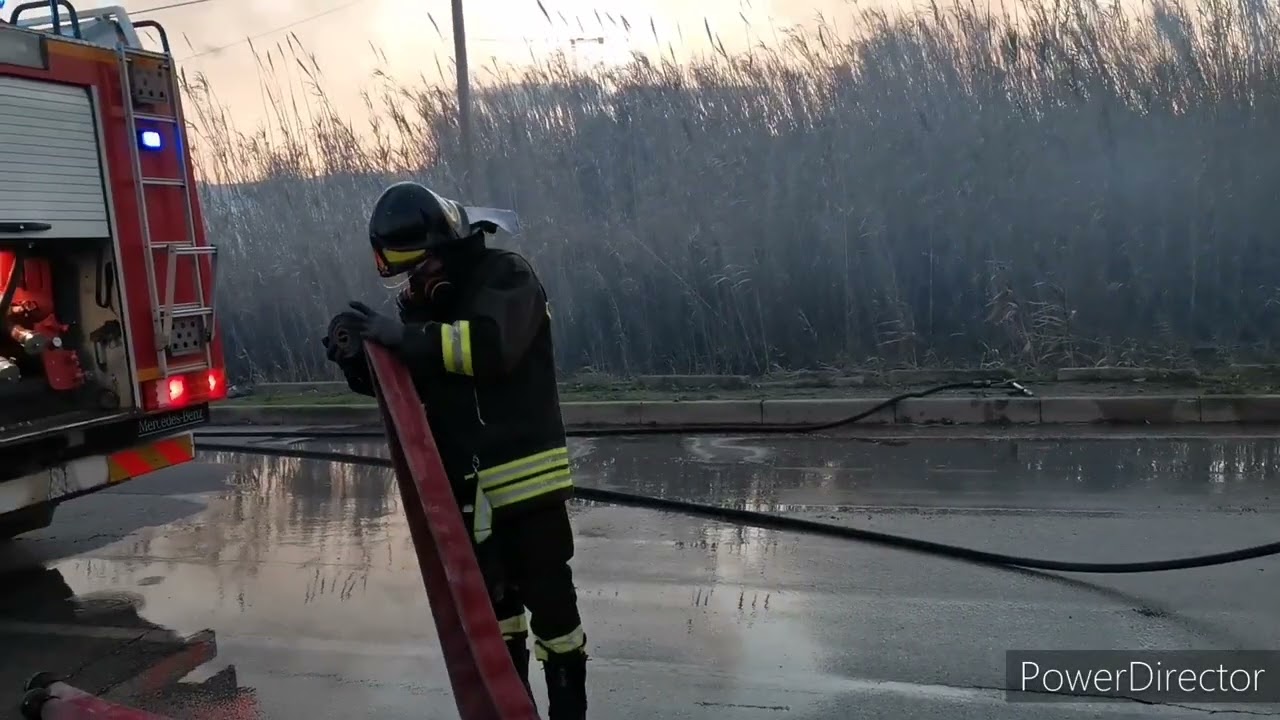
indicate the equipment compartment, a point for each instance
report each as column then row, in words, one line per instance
column 63, row 358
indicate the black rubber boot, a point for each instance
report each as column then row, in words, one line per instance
column 566, row 686
column 519, row 650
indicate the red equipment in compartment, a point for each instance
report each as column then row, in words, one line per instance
column 32, row 323
column 35, row 291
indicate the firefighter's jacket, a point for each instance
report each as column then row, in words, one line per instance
column 485, row 369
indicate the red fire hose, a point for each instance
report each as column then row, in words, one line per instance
column 485, row 684
column 48, row 699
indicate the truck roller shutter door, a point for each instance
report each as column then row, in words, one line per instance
column 50, row 170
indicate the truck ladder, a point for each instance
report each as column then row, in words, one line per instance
column 164, row 310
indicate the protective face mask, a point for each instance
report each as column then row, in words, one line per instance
column 429, row 283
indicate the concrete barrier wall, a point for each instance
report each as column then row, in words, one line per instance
column 809, row 412
column 968, row 411
column 897, row 378
column 701, row 412
column 1143, row 410
column 1240, row 409
column 601, row 414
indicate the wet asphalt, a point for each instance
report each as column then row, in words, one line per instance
column 306, row 575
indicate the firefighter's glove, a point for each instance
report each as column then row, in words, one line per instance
column 330, row 350
column 376, row 327
column 336, row 354
column 343, row 344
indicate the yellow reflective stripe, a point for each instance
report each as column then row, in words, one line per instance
column 521, row 467
column 447, row 350
column 513, row 625
column 546, row 467
column 531, row 488
column 455, row 347
column 518, row 462
column 482, row 520
column 467, row 369
column 574, row 641
column 517, row 481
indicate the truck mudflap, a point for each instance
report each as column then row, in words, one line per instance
column 95, row 472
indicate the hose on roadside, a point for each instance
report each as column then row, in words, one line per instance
column 1012, row 386
column 750, row 518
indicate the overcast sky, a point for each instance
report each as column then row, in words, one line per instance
column 209, row 36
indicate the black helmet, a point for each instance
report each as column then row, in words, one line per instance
column 409, row 221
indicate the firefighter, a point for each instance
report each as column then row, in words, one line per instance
column 475, row 331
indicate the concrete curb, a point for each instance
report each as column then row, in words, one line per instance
column 1188, row 378
column 1141, row 410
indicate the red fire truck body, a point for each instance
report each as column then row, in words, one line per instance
column 109, row 351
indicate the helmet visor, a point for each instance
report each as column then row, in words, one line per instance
column 395, row 262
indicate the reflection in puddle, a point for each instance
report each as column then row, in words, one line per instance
column 101, row 642
column 307, row 572
column 801, row 473
column 709, row 448
column 315, row 561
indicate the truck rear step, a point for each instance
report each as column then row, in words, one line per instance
column 76, row 420
column 91, row 473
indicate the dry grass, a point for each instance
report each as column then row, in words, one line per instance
column 947, row 188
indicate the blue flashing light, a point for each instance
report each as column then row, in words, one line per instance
column 149, row 139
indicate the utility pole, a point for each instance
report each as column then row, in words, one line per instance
column 464, row 100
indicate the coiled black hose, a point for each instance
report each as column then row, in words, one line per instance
column 787, row 524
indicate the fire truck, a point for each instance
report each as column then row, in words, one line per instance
column 109, row 351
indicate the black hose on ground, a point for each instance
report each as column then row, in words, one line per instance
column 1012, row 386
column 787, row 524
column 344, row 337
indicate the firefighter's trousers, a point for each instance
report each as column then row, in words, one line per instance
column 526, row 567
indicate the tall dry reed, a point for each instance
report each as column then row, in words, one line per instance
column 1069, row 186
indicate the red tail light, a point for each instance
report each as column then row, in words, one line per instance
column 182, row 390
column 216, row 381
column 177, row 390
column 166, row 394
